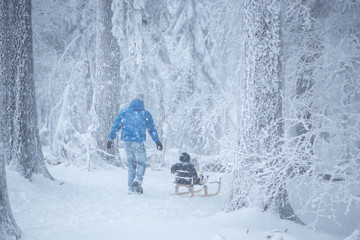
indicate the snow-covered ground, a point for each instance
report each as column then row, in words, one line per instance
column 95, row 205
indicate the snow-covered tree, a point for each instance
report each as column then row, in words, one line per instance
column 139, row 28
column 107, row 78
column 261, row 170
column 305, row 137
column 166, row 55
column 64, row 44
column 195, row 78
column 225, row 41
column 25, row 153
column 8, row 227
column 321, row 106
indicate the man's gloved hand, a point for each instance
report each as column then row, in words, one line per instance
column 109, row 144
column 159, row 146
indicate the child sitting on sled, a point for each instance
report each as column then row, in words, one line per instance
column 185, row 171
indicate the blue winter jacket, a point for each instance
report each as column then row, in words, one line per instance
column 134, row 120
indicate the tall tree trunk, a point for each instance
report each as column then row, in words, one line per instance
column 261, row 120
column 25, row 153
column 7, row 86
column 107, row 76
column 8, row 227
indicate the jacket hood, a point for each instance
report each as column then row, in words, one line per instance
column 137, row 105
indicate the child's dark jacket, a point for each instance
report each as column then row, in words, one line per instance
column 189, row 171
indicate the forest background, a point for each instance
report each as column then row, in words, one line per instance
column 271, row 88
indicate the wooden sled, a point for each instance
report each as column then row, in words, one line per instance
column 203, row 186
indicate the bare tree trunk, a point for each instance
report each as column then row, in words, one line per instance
column 25, row 153
column 108, row 82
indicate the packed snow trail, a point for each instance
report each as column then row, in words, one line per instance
column 96, row 205
column 99, row 201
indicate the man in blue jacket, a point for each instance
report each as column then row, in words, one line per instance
column 134, row 120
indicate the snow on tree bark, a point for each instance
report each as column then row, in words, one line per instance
column 261, row 135
column 25, row 153
column 8, row 227
column 108, row 81
column 7, row 86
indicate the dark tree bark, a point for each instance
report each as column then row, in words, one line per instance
column 7, row 86
column 107, row 90
column 22, row 141
column 8, row 227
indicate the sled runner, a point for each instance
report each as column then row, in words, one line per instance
column 181, row 180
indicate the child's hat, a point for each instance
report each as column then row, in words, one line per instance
column 184, row 157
